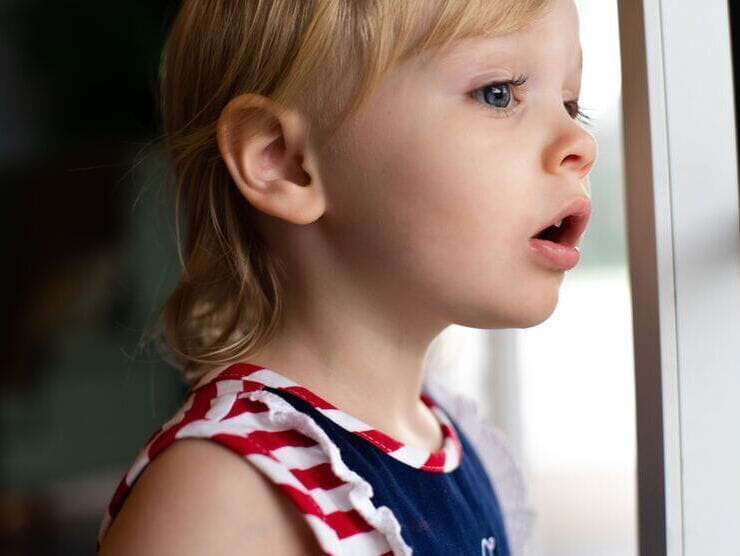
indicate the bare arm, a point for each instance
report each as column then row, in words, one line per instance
column 198, row 497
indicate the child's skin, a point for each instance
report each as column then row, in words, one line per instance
column 417, row 216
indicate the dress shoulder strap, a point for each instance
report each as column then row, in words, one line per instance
column 290, row 448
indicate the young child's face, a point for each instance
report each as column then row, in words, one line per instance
column 434, row 191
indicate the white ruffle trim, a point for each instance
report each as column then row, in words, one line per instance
column 491, row 445
column 381, row 518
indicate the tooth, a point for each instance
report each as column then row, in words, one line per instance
column 557, row 224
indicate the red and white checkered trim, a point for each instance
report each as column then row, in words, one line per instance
column 230, row 405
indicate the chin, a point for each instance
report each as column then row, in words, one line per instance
column 533, row 320
column 527, row 319
column 537, row 311
column 525, row 314
column 518, row 308
column 533, row 310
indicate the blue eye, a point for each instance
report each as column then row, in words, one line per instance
column 498, row 95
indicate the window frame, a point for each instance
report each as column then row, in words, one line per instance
column 684, row 261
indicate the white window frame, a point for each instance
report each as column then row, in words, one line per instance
column 684, row 259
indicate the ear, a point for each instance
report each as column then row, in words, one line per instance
column 265, row 150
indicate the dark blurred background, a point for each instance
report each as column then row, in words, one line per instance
column 90, row 256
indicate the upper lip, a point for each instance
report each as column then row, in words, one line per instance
column 577, row 212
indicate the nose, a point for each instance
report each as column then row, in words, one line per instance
column 572, row 151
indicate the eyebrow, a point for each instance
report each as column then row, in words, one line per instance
column 460, row 56
column 480, row 49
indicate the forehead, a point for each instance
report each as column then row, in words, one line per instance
column 551, row 38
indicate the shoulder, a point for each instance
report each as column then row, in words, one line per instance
column 199, row 497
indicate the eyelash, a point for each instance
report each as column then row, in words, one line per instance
column 519, row 82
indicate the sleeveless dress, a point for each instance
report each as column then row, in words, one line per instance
column 361, row 491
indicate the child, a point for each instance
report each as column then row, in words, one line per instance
column 355, row 176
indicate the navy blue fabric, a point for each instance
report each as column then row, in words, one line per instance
column 439, row 513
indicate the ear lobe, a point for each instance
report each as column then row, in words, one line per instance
column 265, row 150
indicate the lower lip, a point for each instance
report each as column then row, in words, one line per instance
column 559, row 256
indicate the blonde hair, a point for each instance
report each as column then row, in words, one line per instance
column 324, row 56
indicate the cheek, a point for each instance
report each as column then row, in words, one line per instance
column 441, row 214
column 453, row 197
column 422, row 202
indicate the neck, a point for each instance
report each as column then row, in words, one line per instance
column 369, row 364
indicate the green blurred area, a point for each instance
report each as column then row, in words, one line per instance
column 100, row 390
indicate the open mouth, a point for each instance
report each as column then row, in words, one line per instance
column 566, row 228
column 556, row 232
